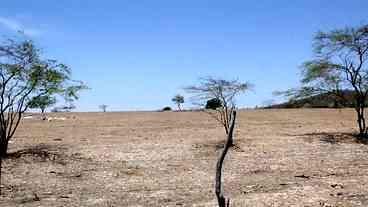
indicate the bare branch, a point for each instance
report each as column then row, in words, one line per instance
column 223, row 90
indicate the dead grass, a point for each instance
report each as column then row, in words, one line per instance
column 282, row 158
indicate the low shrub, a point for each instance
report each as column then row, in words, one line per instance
column 167, row 108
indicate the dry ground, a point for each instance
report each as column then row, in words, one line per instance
column 282, row 158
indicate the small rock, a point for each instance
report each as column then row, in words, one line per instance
column 338, row 186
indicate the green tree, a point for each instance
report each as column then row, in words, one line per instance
column 26, row 77
column 178, row 100
column 340, row 64
column 42, row 102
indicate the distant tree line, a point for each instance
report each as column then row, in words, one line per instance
column 324, row 100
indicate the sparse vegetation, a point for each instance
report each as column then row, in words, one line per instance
column 224, row 91
column 277, row 152
column 26, row 79
column 340, row 65
column 156, row 147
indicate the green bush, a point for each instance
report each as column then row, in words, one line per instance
column 213, row 103
column 167, row 108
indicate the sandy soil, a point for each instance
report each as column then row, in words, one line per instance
column 282, row 158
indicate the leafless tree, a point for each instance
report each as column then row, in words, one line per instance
column 225, row 91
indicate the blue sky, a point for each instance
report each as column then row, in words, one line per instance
column 136, row 55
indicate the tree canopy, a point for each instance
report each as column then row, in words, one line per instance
column 178, row 99
column 340, row 64
column 26, row 80
column 42, row 102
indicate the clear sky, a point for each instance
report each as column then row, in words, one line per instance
column 136, row 54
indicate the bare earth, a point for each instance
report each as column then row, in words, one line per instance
column 282, row 158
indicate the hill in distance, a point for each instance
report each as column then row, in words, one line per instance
column 325, row 100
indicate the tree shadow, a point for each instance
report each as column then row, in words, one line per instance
column 335, row 138
column 216, row 146
column 40, row 153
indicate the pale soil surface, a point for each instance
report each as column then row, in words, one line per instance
column 282, row 158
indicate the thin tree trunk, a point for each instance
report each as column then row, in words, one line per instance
column 1, row 165
column 230, row 137
column 218, row 188
column 3, row 147
column 361, row 121
column 3, row 152
column 43, row 115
